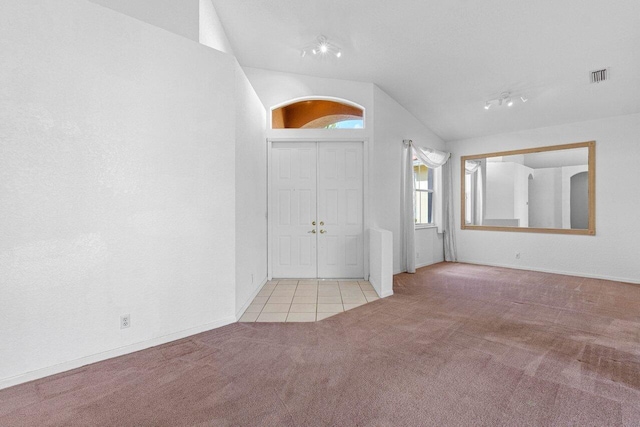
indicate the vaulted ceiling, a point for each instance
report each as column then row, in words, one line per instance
column 443, row 59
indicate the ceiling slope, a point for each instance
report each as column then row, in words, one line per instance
column 443, row 59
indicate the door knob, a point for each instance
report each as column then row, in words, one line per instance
column 313, row 223
column 321, row 222
column 322, row 231
column 312, row 231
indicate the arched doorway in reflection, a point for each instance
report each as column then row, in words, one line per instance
column 579, row 196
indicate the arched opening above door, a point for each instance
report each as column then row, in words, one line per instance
column 317, row 113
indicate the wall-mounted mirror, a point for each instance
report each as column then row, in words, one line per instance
column 539, row 190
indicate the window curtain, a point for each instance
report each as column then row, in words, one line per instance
column 434, row 159
column 450, row 251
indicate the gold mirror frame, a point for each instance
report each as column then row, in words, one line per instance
column 591, row 230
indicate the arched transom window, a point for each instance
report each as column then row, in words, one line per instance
column 317, row 114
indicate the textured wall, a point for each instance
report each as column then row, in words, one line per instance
column 212, row 32
column 177, row 16
column 251, row 192
column 117, row 165
column 612, row 253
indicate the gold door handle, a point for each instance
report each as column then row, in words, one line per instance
column 322, row 231
column 312, row 231
column 321, row 222
column 313, row 223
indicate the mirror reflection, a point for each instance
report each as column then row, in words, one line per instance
column 546, row 188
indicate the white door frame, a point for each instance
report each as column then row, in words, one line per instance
column 365, row 204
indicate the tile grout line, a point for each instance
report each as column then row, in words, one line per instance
column 317, row 298
column 291, row 303
column 265, row 303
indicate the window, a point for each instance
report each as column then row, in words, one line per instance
column 423, row 194
column 317, row 114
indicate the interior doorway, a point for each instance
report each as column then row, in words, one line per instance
column 316, row 210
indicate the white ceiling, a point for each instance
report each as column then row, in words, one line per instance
column 442, row 59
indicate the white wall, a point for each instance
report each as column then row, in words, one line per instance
column 212, row 32
column 545, row 198
column 251, row 192
column 117, row 163
column 177, row 16
column 381, row 256
column 500, row 192
column 429, row 247
column 521, row 194
column 507, row 193
column 393, row 124
column 613, row 252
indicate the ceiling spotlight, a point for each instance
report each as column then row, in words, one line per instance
column 303, row 53
column 322, row 47
column 504, row 98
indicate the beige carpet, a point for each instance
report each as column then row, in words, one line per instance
column 457, row 345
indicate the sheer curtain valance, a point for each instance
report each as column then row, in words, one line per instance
column 438, row 160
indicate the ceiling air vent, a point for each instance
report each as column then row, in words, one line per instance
column 600, row 75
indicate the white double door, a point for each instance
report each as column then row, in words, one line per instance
column 317, row 210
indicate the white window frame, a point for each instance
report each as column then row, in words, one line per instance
column 432, row 224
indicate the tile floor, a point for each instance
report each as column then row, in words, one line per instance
column 306, row 300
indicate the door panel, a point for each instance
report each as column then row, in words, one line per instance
column 293, row 181
column 340, row 208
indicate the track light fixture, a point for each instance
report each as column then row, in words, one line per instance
column 504, row 98
column 321, row 48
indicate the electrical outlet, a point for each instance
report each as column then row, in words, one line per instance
column 417, row 254
column 517, row 255
column 125, row 321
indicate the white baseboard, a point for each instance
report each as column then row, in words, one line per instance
column 109, row 354
column 553, row 271
column 424, row 264
column 375, row 287
column 248, row 302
